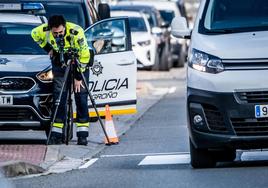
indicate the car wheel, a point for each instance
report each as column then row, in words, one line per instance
column 201, row 158
column 164, row 61
column 93, row 119
column 47, row 128
column 182, row 58
column 156, row 65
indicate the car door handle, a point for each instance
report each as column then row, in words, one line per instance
column 124, row 62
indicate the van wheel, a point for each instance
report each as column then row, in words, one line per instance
column 201, row 158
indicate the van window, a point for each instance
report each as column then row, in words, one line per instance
column 235, row 16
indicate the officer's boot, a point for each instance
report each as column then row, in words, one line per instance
column 82, row 141
column 82, row 132
column 55, row 138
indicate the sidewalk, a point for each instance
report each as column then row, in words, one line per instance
column 62, row 158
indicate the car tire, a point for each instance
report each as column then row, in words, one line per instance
column 47, row 128
column 93, row 119
column 156, row 65
column 164, row 60
column 182, row 57
column 201, row 158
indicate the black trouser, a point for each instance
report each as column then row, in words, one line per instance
column 81, row 100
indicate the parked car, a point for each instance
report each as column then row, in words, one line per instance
column 168, row 10
column 26, row 76
column 144, row 44
column 158, row 29
column 226, row 79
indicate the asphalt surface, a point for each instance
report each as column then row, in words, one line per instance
column 160, row 132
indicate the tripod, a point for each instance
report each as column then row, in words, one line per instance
column 69, row 75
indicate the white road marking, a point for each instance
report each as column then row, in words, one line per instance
column 89, row 163
column 144, row 154
column 64, row 165
column 160, row 91
column 166, row 160
column 172, row 90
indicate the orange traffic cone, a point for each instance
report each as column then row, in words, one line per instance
column 109, row 127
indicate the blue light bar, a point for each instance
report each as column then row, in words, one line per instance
column 33, row 6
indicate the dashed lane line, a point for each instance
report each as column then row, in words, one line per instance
column 172, row 90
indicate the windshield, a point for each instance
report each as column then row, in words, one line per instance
column 72, row 12
column 16, row 39
column 235, row 15
column 137, row 24
column 167, row 15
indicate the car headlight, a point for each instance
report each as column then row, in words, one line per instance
column 205, row 63
column 45, row 76
column 144, row 43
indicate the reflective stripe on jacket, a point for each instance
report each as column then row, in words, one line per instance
column 74, row 37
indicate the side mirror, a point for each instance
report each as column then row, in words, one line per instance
column 179, row 28
column 104, row 11
column 156, row 30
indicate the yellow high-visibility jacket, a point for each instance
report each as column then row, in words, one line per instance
column 74, row 37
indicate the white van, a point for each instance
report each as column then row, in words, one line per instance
column 227, row 82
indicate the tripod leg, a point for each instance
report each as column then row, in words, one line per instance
column 57, row 102
column 94, row 106
column 69, row 120
column 70, row 125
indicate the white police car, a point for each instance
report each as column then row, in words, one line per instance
column 25, row 70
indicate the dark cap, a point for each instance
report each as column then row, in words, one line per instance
column 56, row 21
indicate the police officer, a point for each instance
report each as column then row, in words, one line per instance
column 47, row 35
